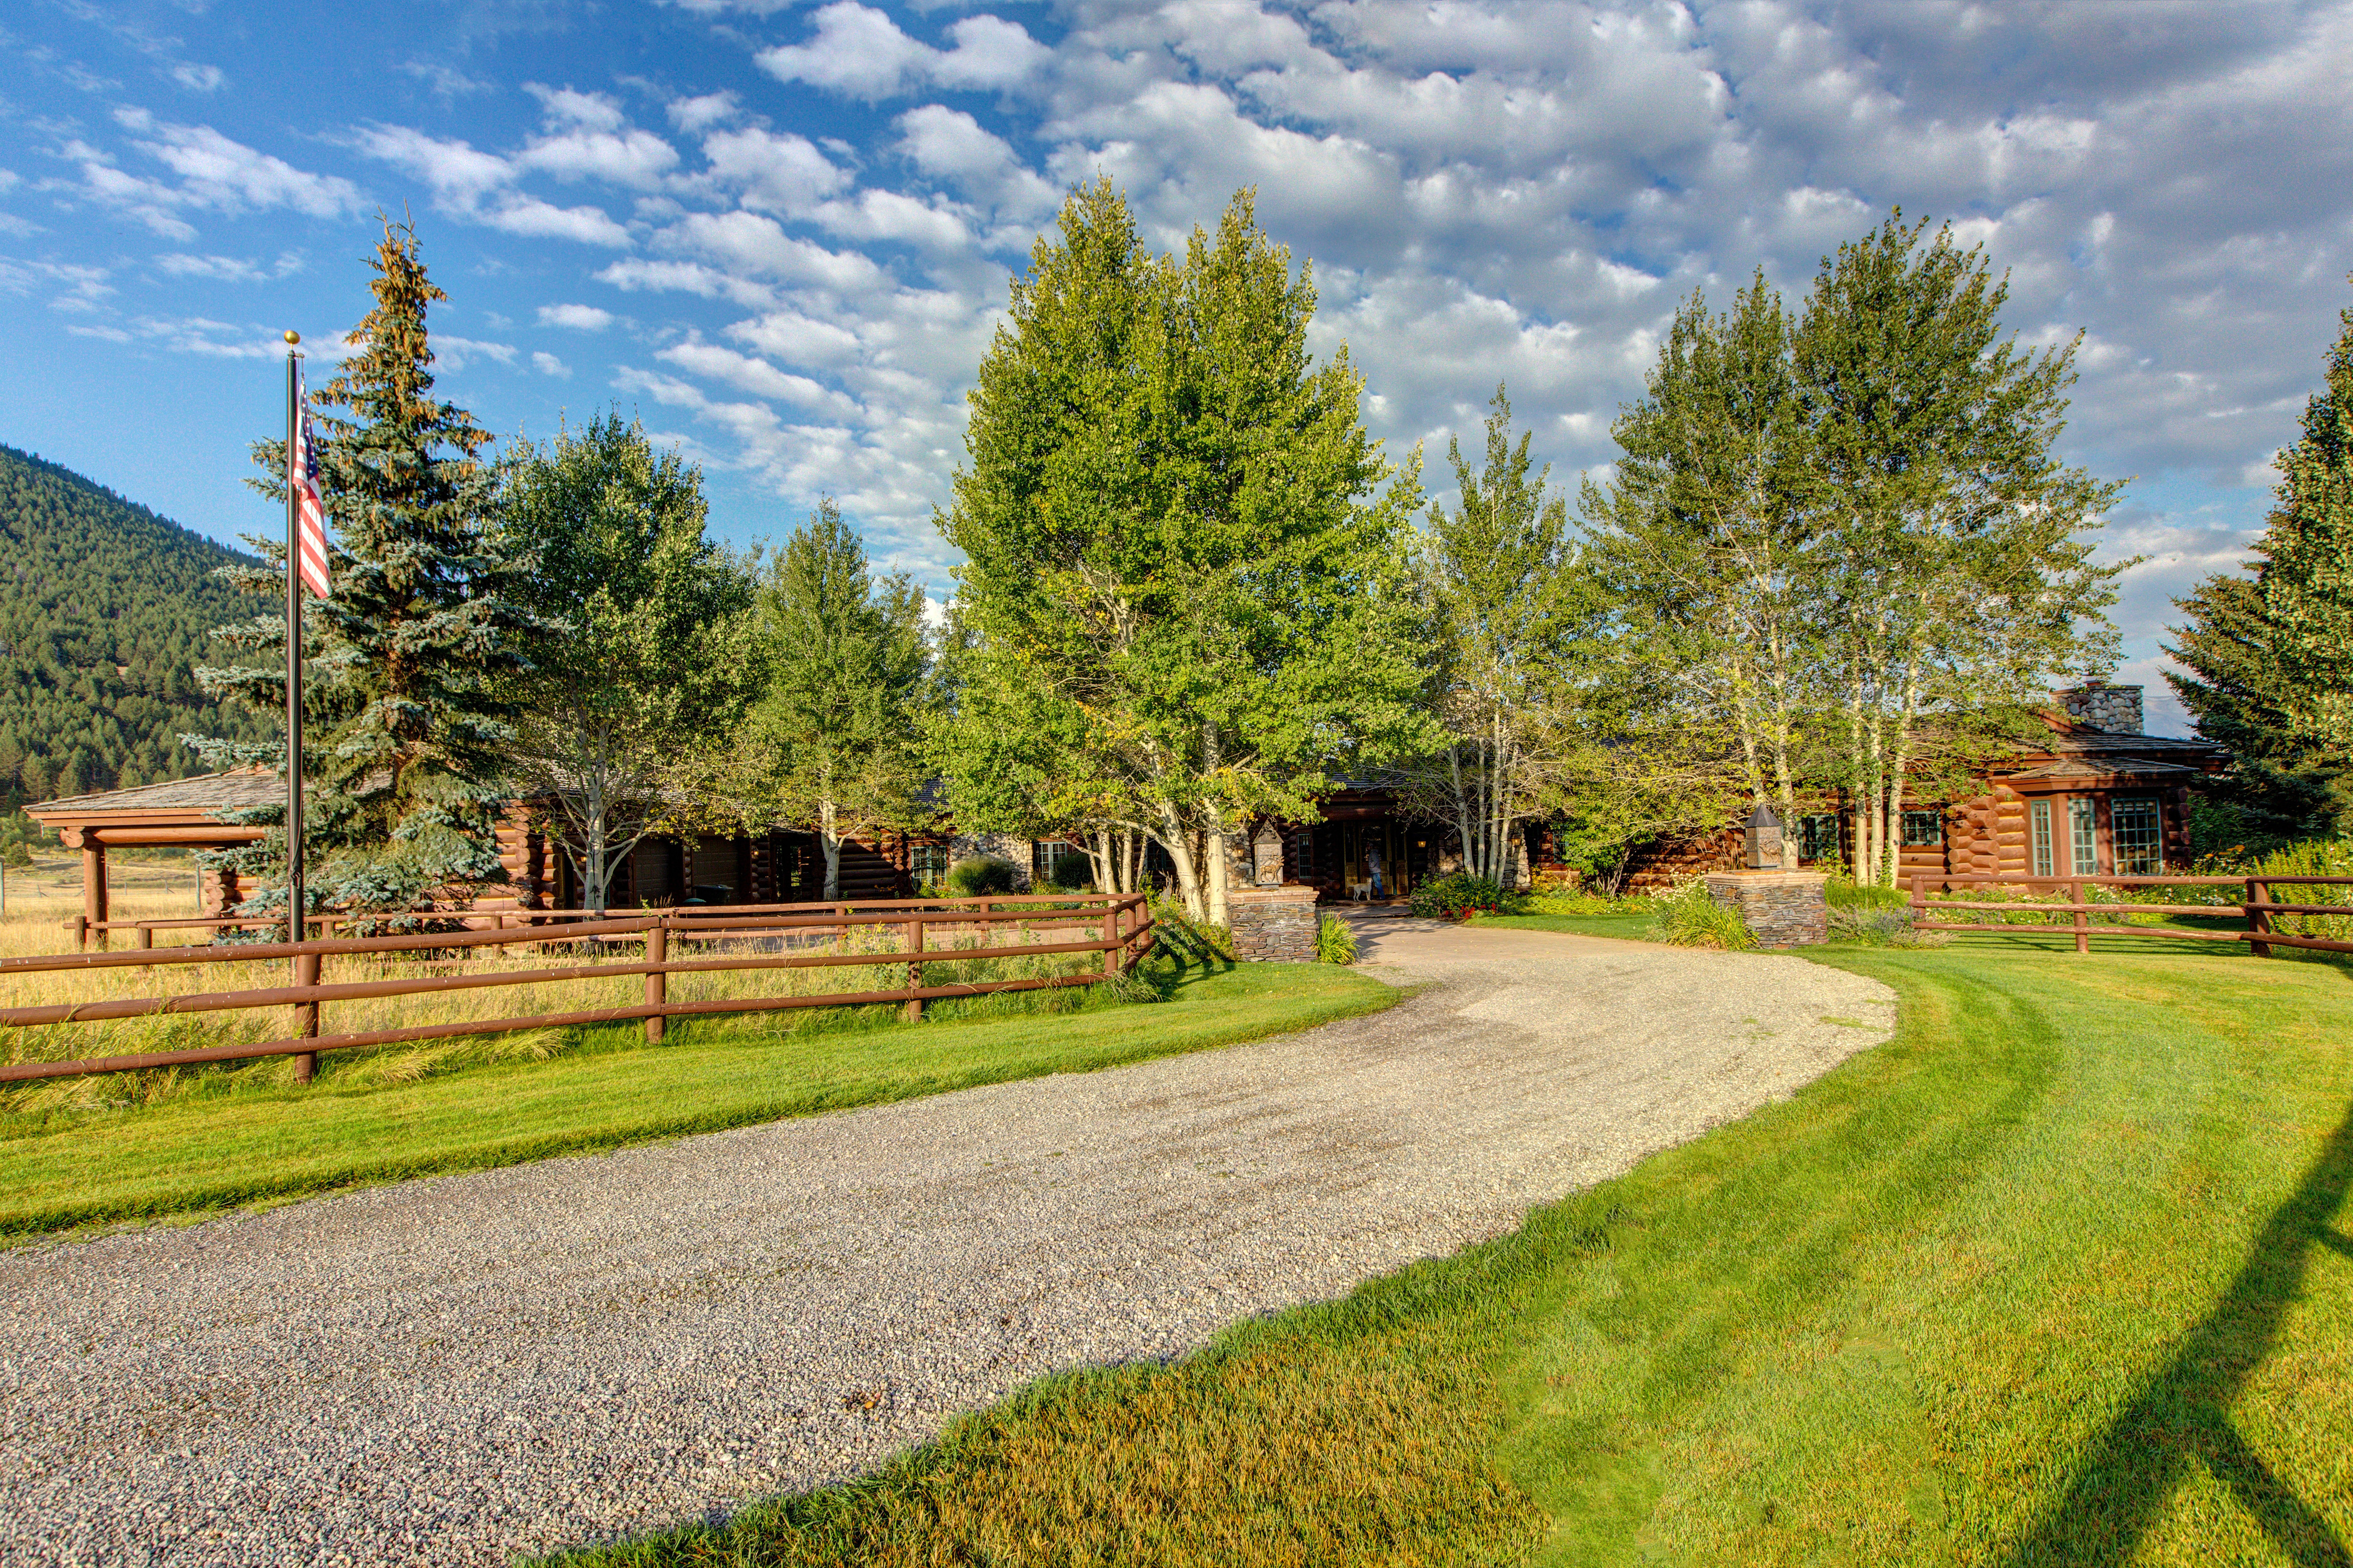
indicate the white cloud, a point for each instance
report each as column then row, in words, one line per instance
column 579, row 318
column 198, row 78
column 229, row 269
column 585, row 139
column 888, row 216
column 749, row 242
column 757, row 376
column 771, row 173
column 686, row 278
column 548, row 365
column 214, row 174
column 861, row 51
column 952, row 146
column 471, row 184
column 696, row 115
column 454, row 354
column 202, row 336
column 82, row 287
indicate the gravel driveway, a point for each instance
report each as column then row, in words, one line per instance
column 458, row 1369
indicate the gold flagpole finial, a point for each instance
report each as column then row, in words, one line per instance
column 293, row 337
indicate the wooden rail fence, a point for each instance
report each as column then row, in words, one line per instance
column 1123, row 921
column 2258, row 909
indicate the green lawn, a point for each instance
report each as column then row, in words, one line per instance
column 2063, row 1275
column 1627, row 927
column 67, row 1168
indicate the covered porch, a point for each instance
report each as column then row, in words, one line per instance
column 181, row 814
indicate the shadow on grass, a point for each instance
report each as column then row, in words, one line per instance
column 2182, row 1415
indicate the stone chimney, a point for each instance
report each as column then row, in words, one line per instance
column 2115, row 708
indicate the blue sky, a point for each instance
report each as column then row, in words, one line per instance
column 781, row 232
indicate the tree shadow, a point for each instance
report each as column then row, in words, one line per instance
column 2182, row 1415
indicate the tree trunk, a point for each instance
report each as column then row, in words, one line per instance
column 832, row 842
column 1174, row 839
column 1213, row 874
column 597, row 868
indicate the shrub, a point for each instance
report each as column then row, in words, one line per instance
column 982, row 875
column 1842, row 894
column 1582, row 904
column 2313, row 858
column 1459, row 897
column 1336, row 941
column 1877, row 925
column 1689, row 918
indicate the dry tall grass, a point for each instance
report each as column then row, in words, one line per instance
column 38, row 932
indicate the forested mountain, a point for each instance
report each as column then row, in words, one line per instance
column 106, row 609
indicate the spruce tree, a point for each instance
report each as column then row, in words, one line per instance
column 2270, row 655
column 404, row 658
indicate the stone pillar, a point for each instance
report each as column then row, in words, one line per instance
column 1785, row 908
column 1272, row 925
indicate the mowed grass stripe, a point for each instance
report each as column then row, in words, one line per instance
column 2058, row 1276
column 270, row 1142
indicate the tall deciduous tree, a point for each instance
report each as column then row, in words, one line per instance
column 1958, row 546
column 1708, row 543
column 406, row 656
column 641, row 667
column 1174, row 523
column 2270, row 656
column 1511, row 611
column 835, row 738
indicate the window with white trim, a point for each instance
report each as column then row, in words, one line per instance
column 2082, row 837
column 2136, row 829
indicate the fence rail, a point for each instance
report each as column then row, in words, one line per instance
column 84, row 927
column 1123, row 921
column 2258, row 908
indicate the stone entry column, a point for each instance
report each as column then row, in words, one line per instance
column 1785, row 908
column 1272, row 925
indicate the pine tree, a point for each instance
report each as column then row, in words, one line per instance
column 2270, row 656
column 405, row 657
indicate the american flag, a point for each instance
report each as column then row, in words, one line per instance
column 311, row 530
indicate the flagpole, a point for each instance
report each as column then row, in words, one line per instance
column 296, row 927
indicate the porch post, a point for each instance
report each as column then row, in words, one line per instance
column 93, row 883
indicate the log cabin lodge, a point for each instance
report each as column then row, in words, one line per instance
column 2099, row 798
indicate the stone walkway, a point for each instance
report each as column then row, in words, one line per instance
column 460, row 1370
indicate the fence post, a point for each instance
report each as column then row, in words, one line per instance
column 2083, row 920
column 306, row 1015
column 1112, row 934
column 913, row 931
column 82, row 932
column 2259, row 919
column 146, row 936
column 657, row 983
